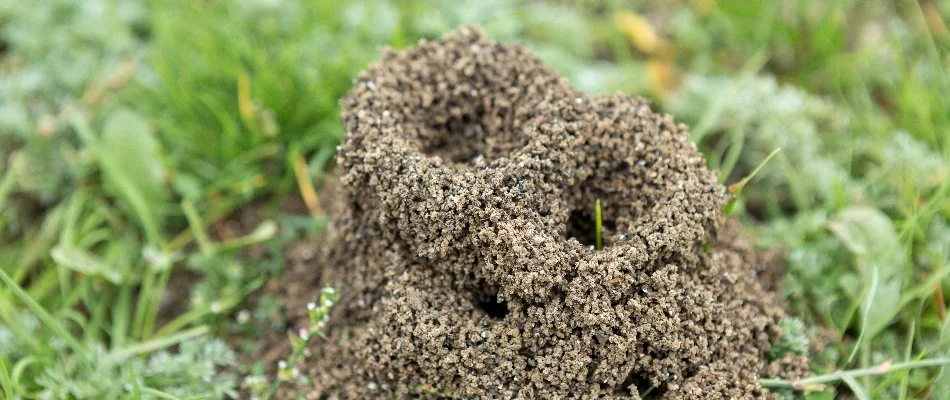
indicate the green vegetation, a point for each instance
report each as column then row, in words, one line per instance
column 598, row 227
column 134, row 134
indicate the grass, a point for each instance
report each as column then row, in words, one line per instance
column 598, row 227
column 132, row 132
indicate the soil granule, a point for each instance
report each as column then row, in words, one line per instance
column 462, row 242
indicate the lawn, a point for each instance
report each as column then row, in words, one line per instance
column 136, row 136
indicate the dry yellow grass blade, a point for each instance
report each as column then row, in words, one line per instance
column 938, row 28
column 663, row 77
column 245, row 106
column 640, row 32
column 305, row 184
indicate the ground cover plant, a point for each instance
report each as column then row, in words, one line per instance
column 159, row 159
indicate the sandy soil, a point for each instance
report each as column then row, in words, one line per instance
column 462, row 243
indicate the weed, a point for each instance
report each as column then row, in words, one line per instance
column 735, row 189
column 794, row 340
column 287, row 370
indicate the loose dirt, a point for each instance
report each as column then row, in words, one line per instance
column 462, row 243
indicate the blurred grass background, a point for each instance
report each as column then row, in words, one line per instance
column 130, row 131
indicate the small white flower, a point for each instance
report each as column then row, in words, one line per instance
column 243, row 317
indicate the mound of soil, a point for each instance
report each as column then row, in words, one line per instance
column 463, row 232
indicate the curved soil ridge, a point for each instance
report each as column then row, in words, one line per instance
column 462, row 242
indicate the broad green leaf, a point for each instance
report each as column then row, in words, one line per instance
column 866, row 231
column 870, row 235
column 85, row 263
column 131, row 142
column 129, row 157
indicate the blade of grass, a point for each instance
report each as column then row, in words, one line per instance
column 939, row 303
column 142, row 305
column 855, row 386
column 136, row 387
column 923, row 290
column 5, row 380
column 598, row 227
column 267, row 230
column 186, row 236
column 197, row 227
column 881, row 369
column 198, row 313
column 19, row 369
column 120, row 317
column 732, row 154
column 6, row 185
column 905, row 380
column 305, row 184
column 42, row 314
column 38, row 246
column 160, row 394
column 156, row 344
column 736, row 188
column 9, row 315
column 152, row 308
column 868, row 300
column 92, row 332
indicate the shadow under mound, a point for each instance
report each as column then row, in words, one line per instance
column 462, row 242
column 473, row 138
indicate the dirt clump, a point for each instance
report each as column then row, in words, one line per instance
column 462, row 244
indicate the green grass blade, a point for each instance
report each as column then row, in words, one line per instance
column 136, row 387
column 598, row 227
column 5, row 380
column 8, row 314
column 42, row 314
column 197, row 227
column 121, row 317
column 736, row 188
column 882, row 369
column 159, row 343
column 152, row 307
column 160, row 394
column 6, row 185
column 868, row 301
column 855, row 386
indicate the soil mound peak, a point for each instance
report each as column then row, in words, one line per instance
column 463, row 232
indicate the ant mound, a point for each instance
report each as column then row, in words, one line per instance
column 463, row 242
